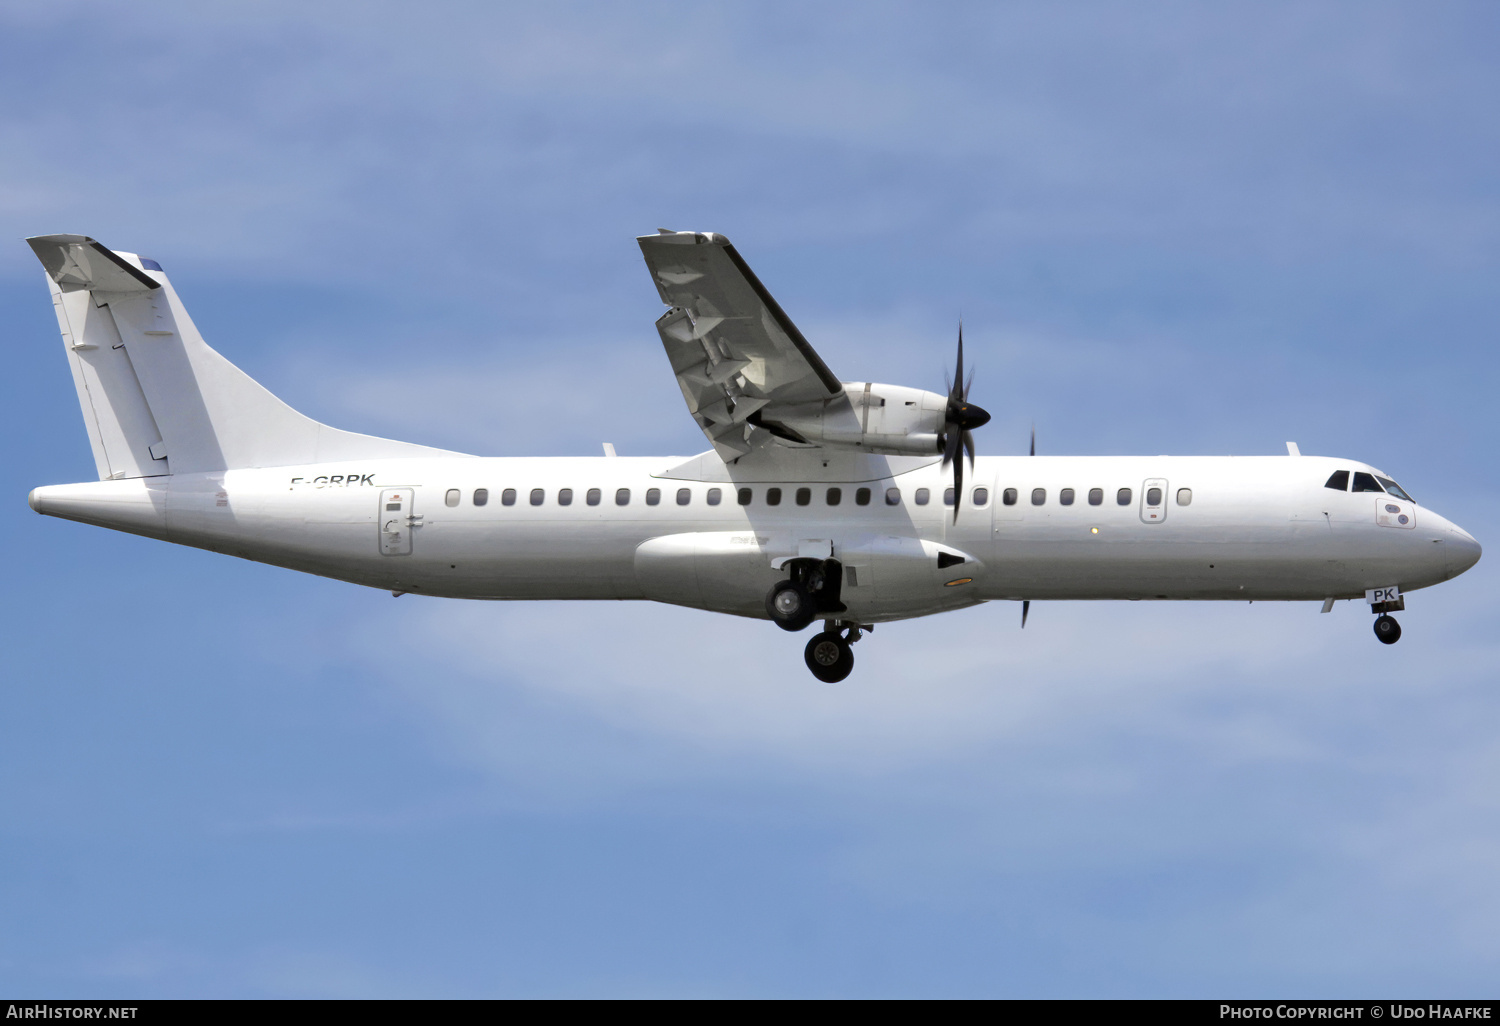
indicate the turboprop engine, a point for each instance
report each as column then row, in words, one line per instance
column 868, row 417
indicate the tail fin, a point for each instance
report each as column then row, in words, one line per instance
column 156, row 399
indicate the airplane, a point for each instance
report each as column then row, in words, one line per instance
column 818, row 499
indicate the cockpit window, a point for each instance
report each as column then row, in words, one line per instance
column 1395, row 489
column 1365, row 482
column 1339, row 480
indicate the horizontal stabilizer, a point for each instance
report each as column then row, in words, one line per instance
column 78, row 262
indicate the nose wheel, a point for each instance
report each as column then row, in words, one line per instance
column 1387, row 629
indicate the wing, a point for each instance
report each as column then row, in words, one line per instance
column 737, row 355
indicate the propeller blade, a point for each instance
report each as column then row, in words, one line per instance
column 958, row 374
column 959, row 420
column 958, row 486
column 1033, row 439
column 951, row 441
column 1025, row 611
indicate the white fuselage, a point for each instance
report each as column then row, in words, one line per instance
column 1252, row 528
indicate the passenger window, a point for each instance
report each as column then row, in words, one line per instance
column 565, row 497
column 1065, row 496
column 745, row 495
column 981, row 496
column 1038, row 496
column 1184, row 496
column 684, row 496
column 1122, row 497
column 653, row 496
column 948, row 496
column 862, row 497
column 1153, row 496
column 923, row 496
column 537, row 495
column 508, row 497
column 714, row 495
column 893, row 496
column 773, row 496
column 622, row 497
column 593, row 497
column 835, row 496
column 804, row 496
column 452, row 497
column 1395, row 489
column 1339, row 481
column 1096, row 496
column 481, row 496
column 1362, row 482
column 1009, row 496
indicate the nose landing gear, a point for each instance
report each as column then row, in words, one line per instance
column 1384, row 602
column 1387, row 629
column 828, row 655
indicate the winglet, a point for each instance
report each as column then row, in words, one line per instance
column 78, row 262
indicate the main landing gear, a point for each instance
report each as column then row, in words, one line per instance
column 813, row 590
column 828, row 655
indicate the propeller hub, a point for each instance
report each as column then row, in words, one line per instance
column 967, row 416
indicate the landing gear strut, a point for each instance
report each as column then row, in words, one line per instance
column 1387, row 629
column 828, row 655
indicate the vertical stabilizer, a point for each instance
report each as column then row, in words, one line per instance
column 83, row 276
column 155, row 397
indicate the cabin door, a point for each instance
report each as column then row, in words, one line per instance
column 396, row 519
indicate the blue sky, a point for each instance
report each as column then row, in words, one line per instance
column 1192, row 228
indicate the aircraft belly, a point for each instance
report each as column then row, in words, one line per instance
column 528, row 560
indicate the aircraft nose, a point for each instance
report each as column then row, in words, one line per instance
column 1462, row 550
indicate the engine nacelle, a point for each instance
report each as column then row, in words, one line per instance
column 868, row 417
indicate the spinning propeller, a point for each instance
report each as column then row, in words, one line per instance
column 961, row 417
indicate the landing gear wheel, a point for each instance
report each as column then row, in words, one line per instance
column 829, row 657
column 1387, row 629
column 790, row 605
